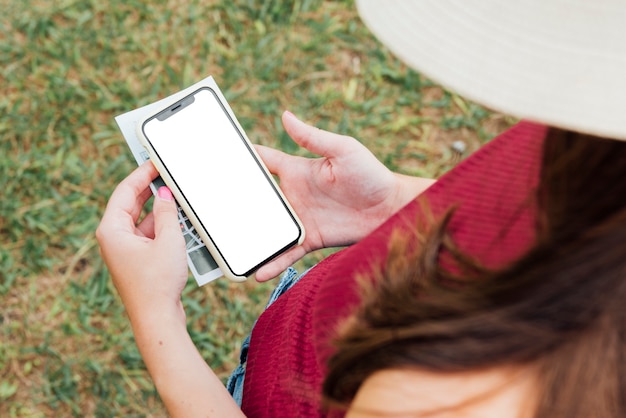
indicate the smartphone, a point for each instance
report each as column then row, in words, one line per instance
column 221, row 183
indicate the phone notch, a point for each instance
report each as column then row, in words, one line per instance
column 175, row 108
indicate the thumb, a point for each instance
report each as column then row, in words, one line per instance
column 274, row 160
column 165, row 214
column 318, row 141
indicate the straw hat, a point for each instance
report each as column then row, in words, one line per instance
column 559, row 62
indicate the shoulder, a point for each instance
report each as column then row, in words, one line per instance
column 496, row 393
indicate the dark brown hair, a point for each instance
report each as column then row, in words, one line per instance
column 560, row 308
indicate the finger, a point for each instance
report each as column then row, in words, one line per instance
column 166, row 225
column 318, row 141
column 133, row 192
column 146, row 227
column 129, row 197
column 280, row 264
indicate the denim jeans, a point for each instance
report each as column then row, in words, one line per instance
column 236, row 379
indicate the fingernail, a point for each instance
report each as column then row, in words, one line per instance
column 291, row 115
column 165, row 193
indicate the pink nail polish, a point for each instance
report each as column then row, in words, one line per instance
column 165, row 193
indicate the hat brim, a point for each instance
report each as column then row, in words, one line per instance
column 562, row 63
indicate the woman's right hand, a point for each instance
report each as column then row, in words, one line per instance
column 148, row 264
column 340, row 197
column 147, row 259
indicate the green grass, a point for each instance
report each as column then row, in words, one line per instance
column 67, row 67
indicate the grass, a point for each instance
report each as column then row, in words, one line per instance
column 67, row 67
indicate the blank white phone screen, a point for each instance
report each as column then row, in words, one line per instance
column 222, row 182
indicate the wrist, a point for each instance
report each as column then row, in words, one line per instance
column 152, row 317
column 408, row 188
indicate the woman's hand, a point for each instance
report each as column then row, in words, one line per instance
column 340, row 197
column 147, row 261
column 148, row 264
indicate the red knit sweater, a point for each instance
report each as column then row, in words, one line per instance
column 291, row 342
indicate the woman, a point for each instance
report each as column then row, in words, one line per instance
column 543, row 337
column 506, row 219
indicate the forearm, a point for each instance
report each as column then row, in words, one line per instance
column 187, row 386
